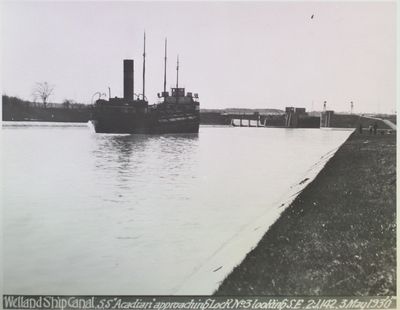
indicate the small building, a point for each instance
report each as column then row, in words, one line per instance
column 326, row 117
column 299, row 118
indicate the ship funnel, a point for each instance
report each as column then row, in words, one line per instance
column 128, row 79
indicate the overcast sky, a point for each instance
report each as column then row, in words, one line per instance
column 234, row 54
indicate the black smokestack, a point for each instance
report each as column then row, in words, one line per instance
column 128, row 79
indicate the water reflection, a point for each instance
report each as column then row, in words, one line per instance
column 123, row 161
column 118, row 148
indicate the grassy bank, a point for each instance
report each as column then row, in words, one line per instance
column 354, row 121
column 339, row 235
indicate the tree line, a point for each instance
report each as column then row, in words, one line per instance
column 40, row 95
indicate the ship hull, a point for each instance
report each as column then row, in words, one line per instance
column 146, row 124
column 176, row 114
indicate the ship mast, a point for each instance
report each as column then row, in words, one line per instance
column 165, row 66
column 144, row 62
column 177, row 71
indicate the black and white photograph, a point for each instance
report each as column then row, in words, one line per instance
column 217, row 154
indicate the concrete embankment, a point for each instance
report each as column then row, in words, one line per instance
column 338, row 237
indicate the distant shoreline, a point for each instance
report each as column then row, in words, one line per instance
column 338, row 237
column 15, row 109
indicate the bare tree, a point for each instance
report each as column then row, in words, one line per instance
column 42, row 91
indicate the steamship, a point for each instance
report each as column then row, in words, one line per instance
column 176, row 112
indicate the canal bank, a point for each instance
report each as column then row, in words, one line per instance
column 338, row 237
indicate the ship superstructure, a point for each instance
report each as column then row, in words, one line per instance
column 178, row 112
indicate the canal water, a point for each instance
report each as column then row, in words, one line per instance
column 87, row 213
